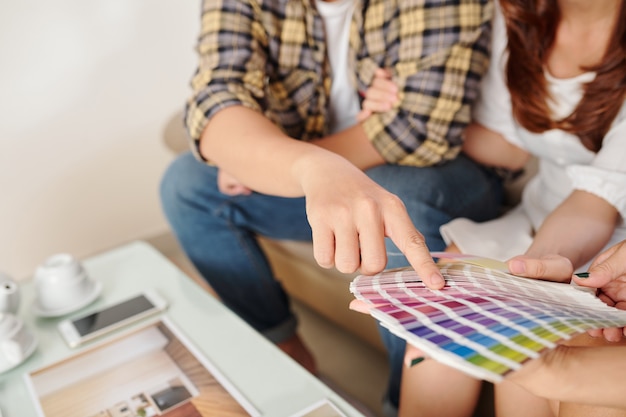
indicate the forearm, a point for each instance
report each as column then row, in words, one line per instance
column 490, row 148
column 251, row 148
column 578, row 229
column 354, row 145
column 584, row 375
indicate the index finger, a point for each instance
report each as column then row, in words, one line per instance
column 411, row 243
column 614, row 258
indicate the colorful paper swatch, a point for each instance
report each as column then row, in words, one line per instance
column 485, row 322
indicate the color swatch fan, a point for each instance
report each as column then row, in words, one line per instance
column 485, row 322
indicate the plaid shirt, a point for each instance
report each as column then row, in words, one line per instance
column 271, row 56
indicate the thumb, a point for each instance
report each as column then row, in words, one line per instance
column 360, row 306
column 607, row 267
column 596, row 279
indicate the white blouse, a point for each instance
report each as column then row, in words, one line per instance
column 564, row 163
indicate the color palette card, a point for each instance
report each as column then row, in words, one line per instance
column 485, row 321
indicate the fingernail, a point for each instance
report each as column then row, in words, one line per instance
column 436, row 280
column 582, row 275
column 417, row 360
column 517, row 267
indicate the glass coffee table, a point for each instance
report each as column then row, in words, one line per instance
column 269, row 380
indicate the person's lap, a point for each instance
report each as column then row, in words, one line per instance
column 218, row 234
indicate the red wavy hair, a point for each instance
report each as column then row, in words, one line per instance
column 531, row 29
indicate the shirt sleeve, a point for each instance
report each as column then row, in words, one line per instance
column 226, row 76
column 440, row 52
column 493, row 108
column 606, row 175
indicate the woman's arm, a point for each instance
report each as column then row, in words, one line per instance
column 483, row 145
column 577, row 230
column 492, row 149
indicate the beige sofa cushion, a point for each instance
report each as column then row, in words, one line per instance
column 327, row 291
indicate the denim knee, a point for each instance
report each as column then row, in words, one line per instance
column 181, row 183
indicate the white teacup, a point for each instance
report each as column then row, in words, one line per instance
column 16, row 341
column 9, row 294
column 61, row 282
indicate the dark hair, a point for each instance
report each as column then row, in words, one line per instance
column 531, row 29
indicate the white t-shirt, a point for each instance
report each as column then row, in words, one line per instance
column 344, row 100
column 564, row 163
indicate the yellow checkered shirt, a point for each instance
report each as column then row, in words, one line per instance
column 271, row 56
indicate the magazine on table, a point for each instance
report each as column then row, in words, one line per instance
column 153, row 371
column 485, row 322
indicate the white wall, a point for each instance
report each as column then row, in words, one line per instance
column 86, row 87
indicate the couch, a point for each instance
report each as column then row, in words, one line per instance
column 326, row 291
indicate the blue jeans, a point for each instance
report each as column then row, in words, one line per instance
column 218, row 233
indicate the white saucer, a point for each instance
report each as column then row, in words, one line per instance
column 27, row 352
column 96, row 289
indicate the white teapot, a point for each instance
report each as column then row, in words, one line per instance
column 9, row 294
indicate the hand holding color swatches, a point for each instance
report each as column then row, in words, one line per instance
column 485, row 322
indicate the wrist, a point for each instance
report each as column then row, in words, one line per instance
column 313, row 163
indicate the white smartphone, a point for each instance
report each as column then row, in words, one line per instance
column 78, row 330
